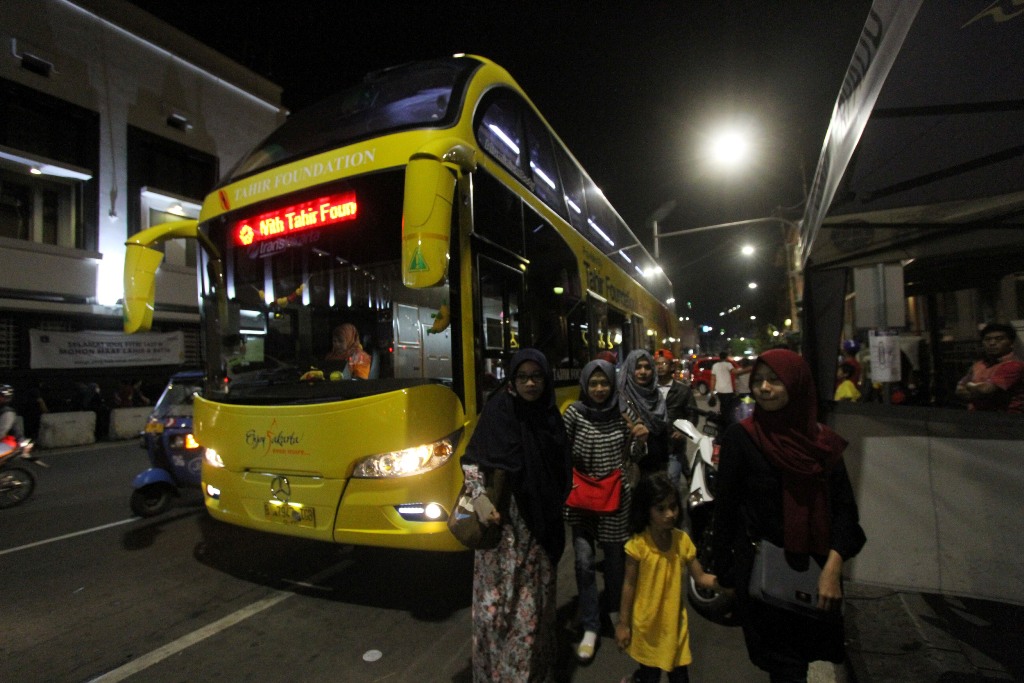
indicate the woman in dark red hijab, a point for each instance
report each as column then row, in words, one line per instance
column 782, row 478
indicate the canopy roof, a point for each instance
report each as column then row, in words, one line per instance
column 924, row 156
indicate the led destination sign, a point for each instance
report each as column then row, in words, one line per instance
column 316, row 213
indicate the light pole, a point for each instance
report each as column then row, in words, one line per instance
column 660, row 214
column 789, row 228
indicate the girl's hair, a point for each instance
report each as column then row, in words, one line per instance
column 650, row 491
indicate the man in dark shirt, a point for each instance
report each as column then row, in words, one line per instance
column 681, row 404
column 995, row 382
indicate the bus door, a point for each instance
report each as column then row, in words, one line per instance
column 422, row 345
column 498, row 331
column 639, row 335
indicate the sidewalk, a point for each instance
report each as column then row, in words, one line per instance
column 907, row 637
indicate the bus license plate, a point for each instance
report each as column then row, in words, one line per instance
column 286, row 514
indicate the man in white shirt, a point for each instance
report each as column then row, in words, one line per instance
column 722, row 387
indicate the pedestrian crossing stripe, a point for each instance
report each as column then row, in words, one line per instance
column 418, row 264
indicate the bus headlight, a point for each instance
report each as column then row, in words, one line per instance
column 213, row 458
column 409, row 461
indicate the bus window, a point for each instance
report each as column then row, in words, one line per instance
column 552, row 290
column 402, row 97
column 294, row 289
column 497, row 213
column 546, row 182
column 499, row 133
column 572, row 185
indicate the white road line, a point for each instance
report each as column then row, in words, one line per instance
column 71, row 535
column 156, row 656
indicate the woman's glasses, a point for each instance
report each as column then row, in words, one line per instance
column 523, row 378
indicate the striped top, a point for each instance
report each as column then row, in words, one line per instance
column 597, row 448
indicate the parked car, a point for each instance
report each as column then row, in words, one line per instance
column 700, row 373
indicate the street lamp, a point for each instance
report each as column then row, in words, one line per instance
column 790, row 228
column 660, row 214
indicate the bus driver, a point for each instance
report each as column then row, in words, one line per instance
column 346, row 348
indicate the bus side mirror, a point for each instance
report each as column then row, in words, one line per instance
column 426, row 221
column 140, row 264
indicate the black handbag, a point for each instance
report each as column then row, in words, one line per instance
column 788, row 581
column 464, row 523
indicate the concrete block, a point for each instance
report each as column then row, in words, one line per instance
column 126, row 423
column 58, row 430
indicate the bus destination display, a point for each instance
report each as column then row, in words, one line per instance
column 316, row 213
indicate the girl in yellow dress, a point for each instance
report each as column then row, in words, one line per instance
column 652, row 626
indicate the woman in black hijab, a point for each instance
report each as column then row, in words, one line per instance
column 521, row 432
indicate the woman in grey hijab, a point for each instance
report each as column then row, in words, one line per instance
column 642, row 404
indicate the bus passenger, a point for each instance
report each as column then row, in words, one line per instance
column 346, row 348
column 514, row 592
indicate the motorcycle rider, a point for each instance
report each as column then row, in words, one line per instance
column 9, row 424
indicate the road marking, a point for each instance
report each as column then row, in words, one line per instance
column 158, row 655
column 65, row 536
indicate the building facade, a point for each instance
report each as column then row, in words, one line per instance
column 110, row 121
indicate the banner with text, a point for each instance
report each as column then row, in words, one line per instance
column 98, row 349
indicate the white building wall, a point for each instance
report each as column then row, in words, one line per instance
column 132, row 69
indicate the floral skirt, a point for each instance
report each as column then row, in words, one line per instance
column 514, row 608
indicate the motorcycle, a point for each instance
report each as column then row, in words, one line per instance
column 175, row 457
column 703, row 470
column 16, row 482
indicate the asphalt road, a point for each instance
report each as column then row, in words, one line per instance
column 91, row 593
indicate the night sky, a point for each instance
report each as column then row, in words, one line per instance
column 634, row 89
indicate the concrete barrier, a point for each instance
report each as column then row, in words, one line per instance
column 939, row 493
column 76, row 428
column 126, row 423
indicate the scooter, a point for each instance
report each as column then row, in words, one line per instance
column 16, row 482
column 703, row 471
column 175, row 457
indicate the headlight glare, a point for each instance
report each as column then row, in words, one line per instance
column 409, row 461
column 213, row 458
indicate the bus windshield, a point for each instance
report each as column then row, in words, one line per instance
column 314, row 312
column 386, row 101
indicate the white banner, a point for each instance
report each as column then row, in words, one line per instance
column 885, row 355
column 97, row 349
column 880, row 42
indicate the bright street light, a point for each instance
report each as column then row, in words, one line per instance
column 752, row 285
column 729, row 148
column 747, row 250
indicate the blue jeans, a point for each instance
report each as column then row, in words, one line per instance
column 584, row 545
column 675, row 471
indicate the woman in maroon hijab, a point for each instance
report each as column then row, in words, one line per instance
column 781, row 478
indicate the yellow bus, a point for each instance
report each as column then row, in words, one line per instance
column 433, row 209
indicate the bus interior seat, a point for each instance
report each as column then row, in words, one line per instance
column 374, row 364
